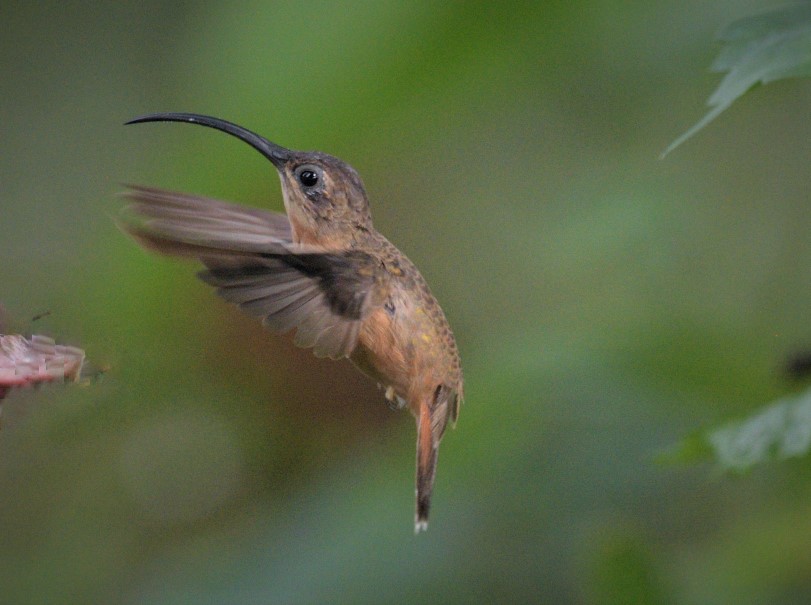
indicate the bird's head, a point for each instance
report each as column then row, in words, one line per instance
column 324, row 197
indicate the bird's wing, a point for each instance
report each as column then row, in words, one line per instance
column 187, row 225
column 252, row 263
column 324, row 295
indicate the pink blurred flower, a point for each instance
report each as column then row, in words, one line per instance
column 25, row 361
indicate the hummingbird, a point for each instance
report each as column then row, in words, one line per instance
column 323, row 270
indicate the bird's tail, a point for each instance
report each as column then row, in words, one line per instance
column 427, row 450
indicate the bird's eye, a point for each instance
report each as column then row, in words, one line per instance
column 308, row 178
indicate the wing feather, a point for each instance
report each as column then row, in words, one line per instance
column 253, row 263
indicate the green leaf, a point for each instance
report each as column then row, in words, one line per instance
column 758, row 50
column 778, row 431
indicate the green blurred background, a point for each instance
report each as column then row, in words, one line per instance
column 606, row 304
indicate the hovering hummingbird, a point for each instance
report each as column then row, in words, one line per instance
column 324, row 270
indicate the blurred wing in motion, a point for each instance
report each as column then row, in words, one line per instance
column 253, row 263
column 187, row 225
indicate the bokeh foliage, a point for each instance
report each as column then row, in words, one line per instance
column 758, row 49
column 606, row 304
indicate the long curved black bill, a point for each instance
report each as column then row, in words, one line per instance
column 277, row 154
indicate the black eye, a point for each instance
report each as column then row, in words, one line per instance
column 308, row 178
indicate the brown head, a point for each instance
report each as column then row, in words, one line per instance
column 324, row 196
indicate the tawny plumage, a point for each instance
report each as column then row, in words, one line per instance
column 322, row 270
